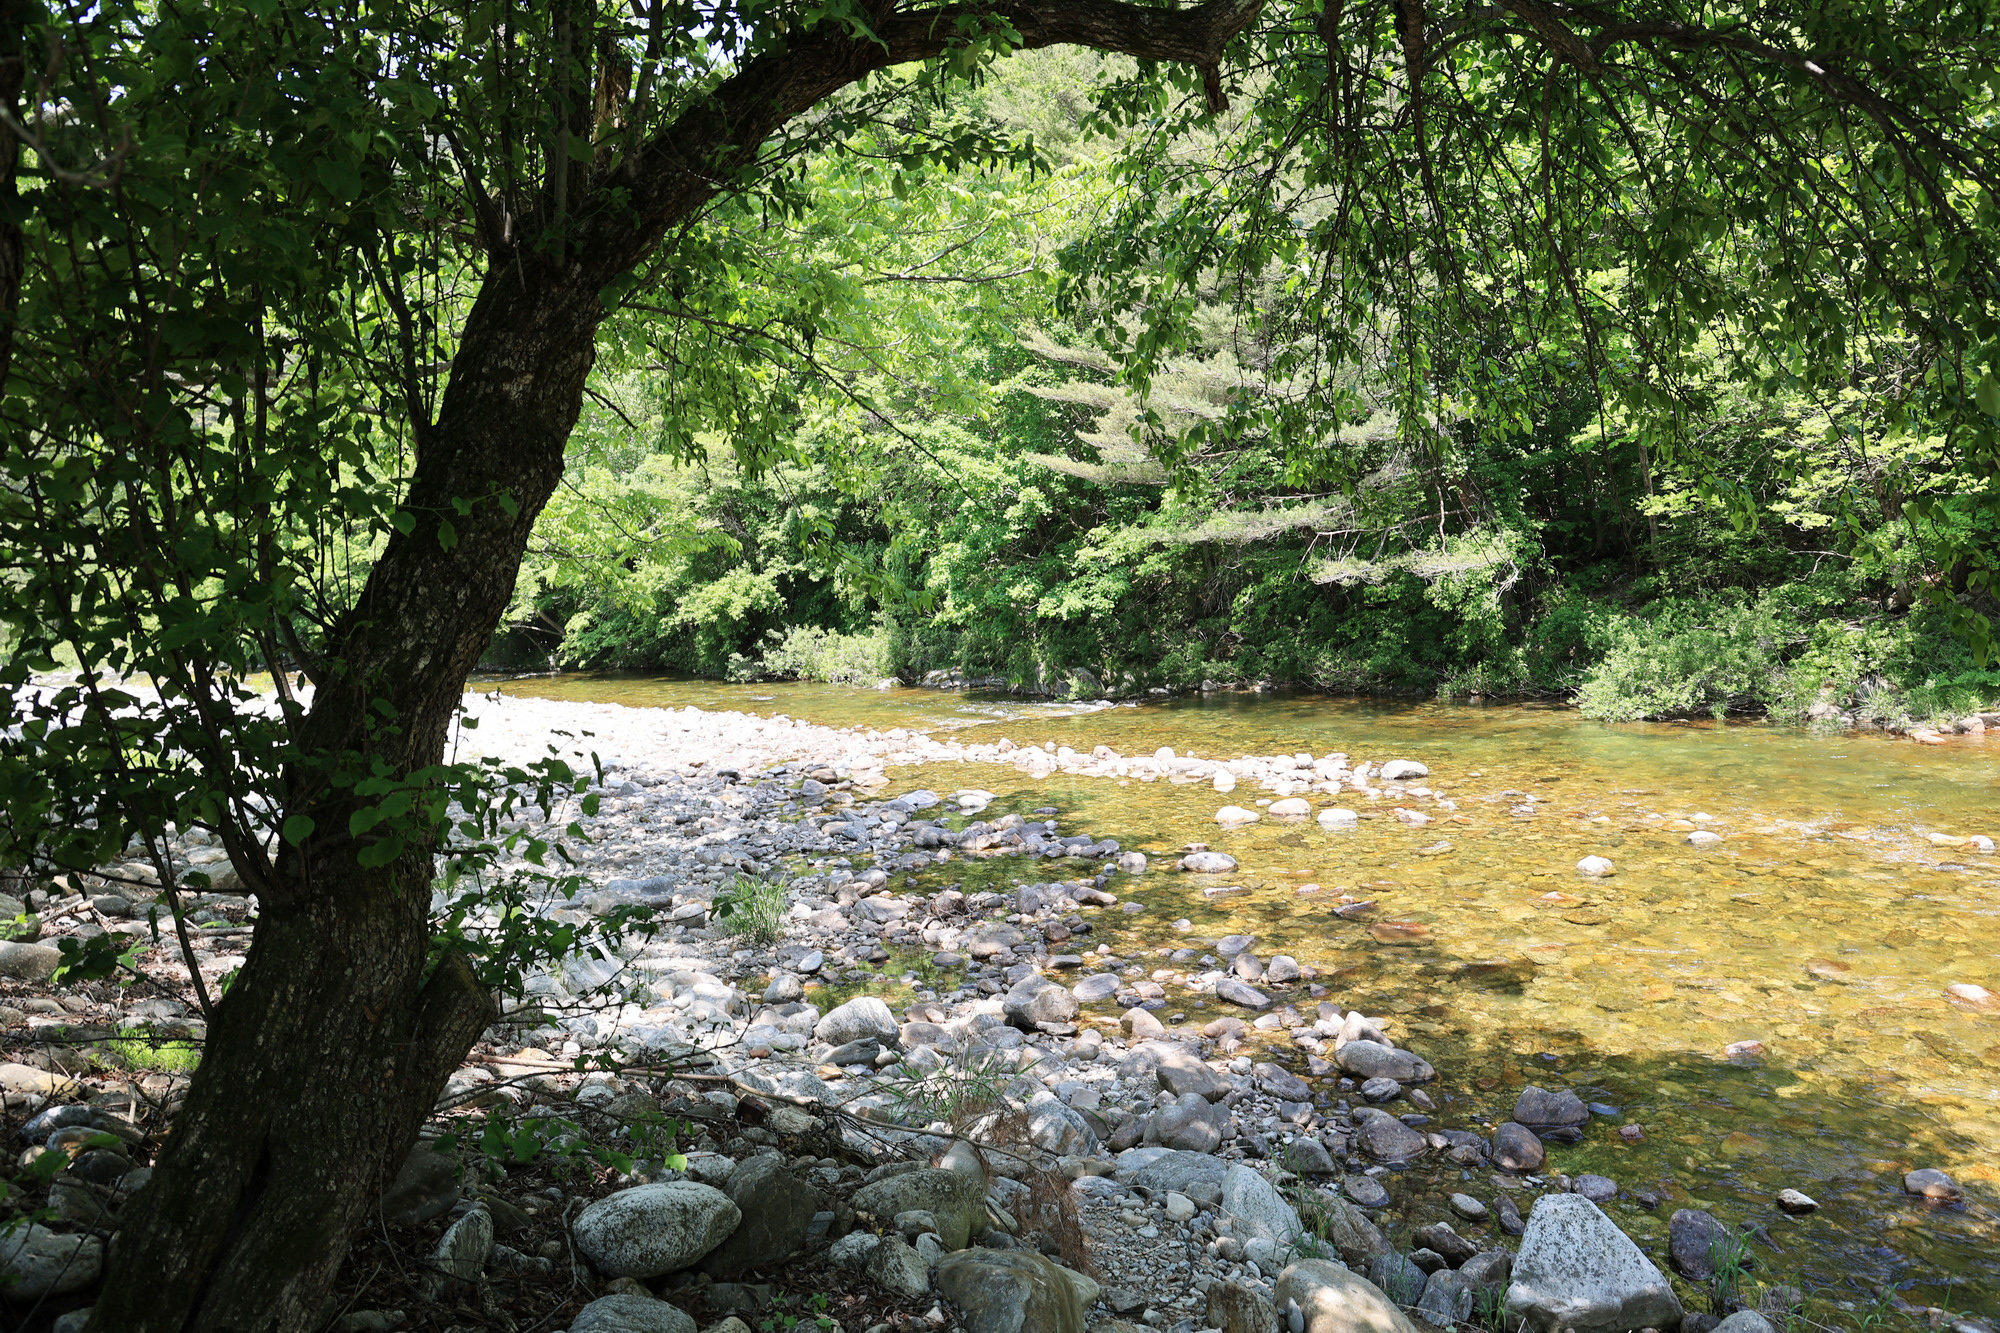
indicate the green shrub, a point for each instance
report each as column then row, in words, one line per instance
column 1690, row 658
column 753, row 907
column 807, row 652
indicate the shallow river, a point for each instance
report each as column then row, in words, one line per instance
column 1825, row 926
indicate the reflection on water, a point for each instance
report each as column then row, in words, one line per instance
column 1825, row 927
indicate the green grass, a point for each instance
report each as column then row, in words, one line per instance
column 750, row 906
column 144, row 1054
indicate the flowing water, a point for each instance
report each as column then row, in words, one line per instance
column 1825, row 927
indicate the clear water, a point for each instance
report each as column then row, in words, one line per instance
column 1826, row 926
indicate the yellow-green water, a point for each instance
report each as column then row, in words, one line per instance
column 1826, row 926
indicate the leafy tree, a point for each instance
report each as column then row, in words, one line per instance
column 305, row 284
column 310, row 299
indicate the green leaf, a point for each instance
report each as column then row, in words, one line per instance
column 1987, row 395
column 297, row 828
column 341, row 179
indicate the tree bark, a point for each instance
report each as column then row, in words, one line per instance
column 333, row 1044
column 13, row 78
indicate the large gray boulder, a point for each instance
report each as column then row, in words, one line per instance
column 36, row 1262
column 1056, row 1127
column 1371, row 1059
column 1036, row 999
column 426, row 1186
column 1577, row 1270
column 777, row 1210
column 1180, row 1071
column 1258, row 1208
column 1349, row 1230
column 1282, row 1083
column 862, row 1017
column 1178, row 1170
column 1236, row 1308
column 631, row 1314
column 957, row 1201
column 1333, row 1300
column 897, row 1268
column 1191, row 1124
column 1447, row 1299
column 1010, row 1291
column 653, row 1230
column 28, row 962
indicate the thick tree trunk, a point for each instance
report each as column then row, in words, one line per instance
column 333, row 1044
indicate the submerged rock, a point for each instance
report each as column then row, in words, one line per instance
column 1931, row 1183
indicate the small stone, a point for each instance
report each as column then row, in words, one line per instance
column 1141, row 1025
column 1540, row 1109
column 1469, row 1208
column 1597, row 1189
column 1308, row 1157
column 1515, row 1148
column 1366, row 1191
column 1381, row 1089
column 1240, row 992
column 1447, row 1299
column 1594, row 865
column 1932, row 1184
column 1387, row 1139
column 1693, row 1239
column 1180, row 1208
column 1797, row 1204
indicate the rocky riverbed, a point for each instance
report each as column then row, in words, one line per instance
column 914, row 1105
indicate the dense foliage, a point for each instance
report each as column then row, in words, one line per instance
column 976, row 478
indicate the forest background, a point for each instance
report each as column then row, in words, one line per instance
column 969, row 482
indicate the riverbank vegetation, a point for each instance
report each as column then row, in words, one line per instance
column 992, row 467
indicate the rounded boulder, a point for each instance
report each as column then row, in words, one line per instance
column 655, row 1229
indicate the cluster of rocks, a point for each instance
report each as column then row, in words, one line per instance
column 1220, row 1129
